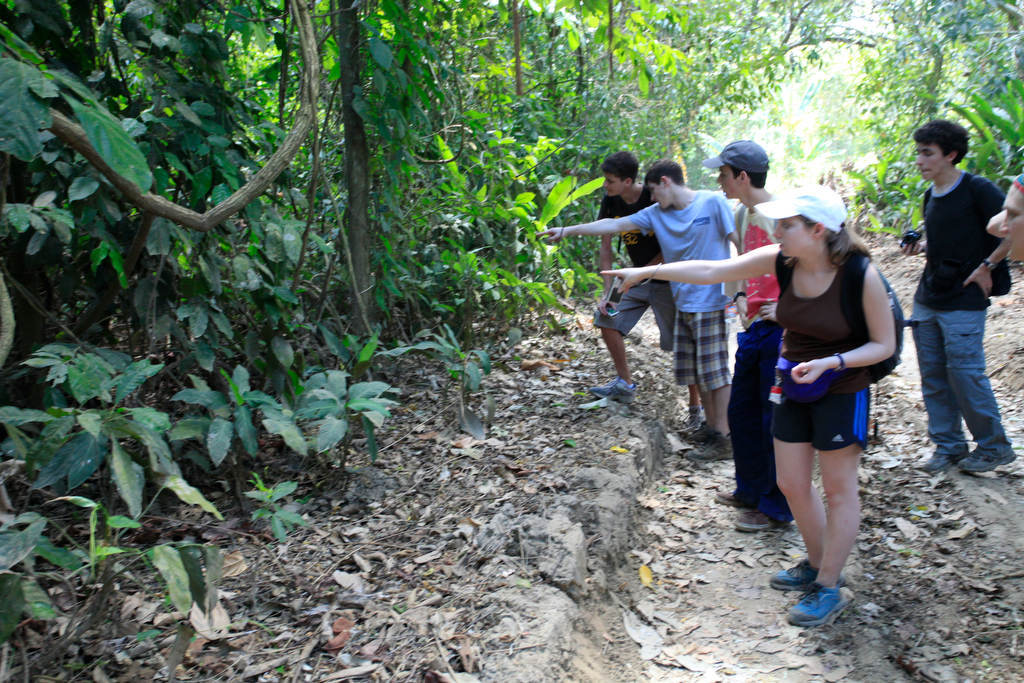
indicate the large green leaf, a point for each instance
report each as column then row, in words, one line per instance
column 287, row 431
column 81, row 455
column 12, row 602
column 218, row 440
column 189, row 494
column 133, row 378
column 86, row 461
column 129, row 478
column 36, row 602
column 189, row 428
column 87, row 377
column 59, row 557
column 245, row 429
column 9, row 415
column 282, row 351
column 82, row 187
column 15, row 546
column 22, row 113
column 113, row 143
column 168, row 562
column 214, row 400
column 332, row 430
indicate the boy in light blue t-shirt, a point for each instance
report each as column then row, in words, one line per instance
column 689, row 224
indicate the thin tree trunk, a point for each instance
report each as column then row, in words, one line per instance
column 611, row 37
column 357, row 161
column 517, row 47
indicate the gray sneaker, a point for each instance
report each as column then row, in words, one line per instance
column 986, row 462
column 942, row 461
column 617, row 390
column 717, row 447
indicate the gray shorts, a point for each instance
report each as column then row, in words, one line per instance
column 656, row 295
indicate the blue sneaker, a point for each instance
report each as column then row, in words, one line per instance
column 618, row 389
column 798, row 578
column 820, row 606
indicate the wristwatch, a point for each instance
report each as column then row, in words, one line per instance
column 988, row 264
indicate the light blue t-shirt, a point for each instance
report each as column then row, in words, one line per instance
column 700, row 231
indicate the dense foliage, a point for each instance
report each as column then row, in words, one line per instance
column 380, row 171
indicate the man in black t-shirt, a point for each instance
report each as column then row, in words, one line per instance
column 950, row 303
column 624, row 197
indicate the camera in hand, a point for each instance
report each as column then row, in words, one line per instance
column 910, row 237
column 615, row 296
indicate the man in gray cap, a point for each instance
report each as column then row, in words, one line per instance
column 742, row 172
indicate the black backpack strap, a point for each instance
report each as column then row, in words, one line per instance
column 851, row 294
column 783, row 273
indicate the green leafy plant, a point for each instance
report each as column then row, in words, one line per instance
column 999, row 121
column 466, row 369
column 281, row 520
column 20, row 592
column 66, row 444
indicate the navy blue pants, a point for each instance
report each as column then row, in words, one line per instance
column 750, row 419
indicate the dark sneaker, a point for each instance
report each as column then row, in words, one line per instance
column 798, row 578
column 754, row 520
column 820, row 606
column 942, row 461
column 731, row 500
column 986, row 462
column 716, row 447
column 617, row 390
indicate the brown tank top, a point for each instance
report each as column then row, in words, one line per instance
column 817, row 328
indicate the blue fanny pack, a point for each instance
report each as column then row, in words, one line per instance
column 804, row 393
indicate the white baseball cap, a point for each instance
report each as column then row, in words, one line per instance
column 815, row 202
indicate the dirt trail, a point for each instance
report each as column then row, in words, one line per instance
column 935, row 576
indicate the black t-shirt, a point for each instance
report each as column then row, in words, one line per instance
column 641, row 248
column 957, row 243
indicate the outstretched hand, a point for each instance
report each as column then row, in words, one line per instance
column 552, row 235
column 630, row 276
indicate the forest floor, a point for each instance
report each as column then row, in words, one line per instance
column 576, row 542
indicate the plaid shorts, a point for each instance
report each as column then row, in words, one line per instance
column 702, row 350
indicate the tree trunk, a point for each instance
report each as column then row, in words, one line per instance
column 611, row 37
column 517, row 46
column 357, row 162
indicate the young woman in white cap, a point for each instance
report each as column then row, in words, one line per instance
column 823, row 393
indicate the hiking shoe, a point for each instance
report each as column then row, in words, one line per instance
column 820, row 606
column 617, row 390
column 731, row 500
column 754, row 520
column 942, row 461
column 798, row 578
column 986, row 462
column 716, row 447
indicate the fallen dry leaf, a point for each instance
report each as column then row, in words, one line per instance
column 213, row 625
column 342, row 624
column 234, row 564
column 536, row 363
column 957, row 534
column 646, row 576
column 908, row 529
column 342, row 629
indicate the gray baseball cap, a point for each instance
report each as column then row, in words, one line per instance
column 743, row 155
